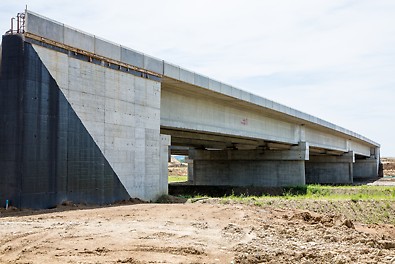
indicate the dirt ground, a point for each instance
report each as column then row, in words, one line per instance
column 201, row 231
column 178, row 171
column 205, row 231
column 388, row 166
column 177, row 168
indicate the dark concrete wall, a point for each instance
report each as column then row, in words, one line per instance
column 11, row 83
column 249, row 173
column 366, row 169
column 328, row 173
column 46, row 154
column 330, row 169
column 274, row 168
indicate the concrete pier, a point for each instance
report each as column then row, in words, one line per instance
column 189, row 161
column 330, row 169
column 365, row 168
column 250, row 167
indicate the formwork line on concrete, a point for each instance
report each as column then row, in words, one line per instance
column 88, row 54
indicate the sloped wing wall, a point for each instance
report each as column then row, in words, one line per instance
column 47, row 154
column 120, row 111
column 76, row 129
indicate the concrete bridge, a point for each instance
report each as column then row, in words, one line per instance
column 87, row 120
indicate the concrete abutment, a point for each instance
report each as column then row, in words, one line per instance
column 91, row 134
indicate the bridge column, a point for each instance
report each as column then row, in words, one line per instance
column 330, row 169
column 368, row 167
column 164, row 165
column 190, row 169
column 250, row 167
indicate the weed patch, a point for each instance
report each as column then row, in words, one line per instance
column 365, row 204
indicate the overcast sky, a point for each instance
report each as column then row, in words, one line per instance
column 334, row 59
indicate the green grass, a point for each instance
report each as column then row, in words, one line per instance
column 323, row 192
column 174, row 178
column 365, row 204
column 353, row 193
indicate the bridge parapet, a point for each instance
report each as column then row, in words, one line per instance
column 60, row 33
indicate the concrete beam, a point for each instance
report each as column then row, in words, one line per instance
column 179, row 150
column 299, row 152
column 199, row 144
column 198, row 135
column 318, row 132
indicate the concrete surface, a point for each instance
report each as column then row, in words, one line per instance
column 45, row 27
column 365, row 169
column 239, row 138
column 121, row 112
column 250, row 167
column 330, row 169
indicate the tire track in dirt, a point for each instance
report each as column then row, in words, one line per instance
column 193, row 233
column 23, row 246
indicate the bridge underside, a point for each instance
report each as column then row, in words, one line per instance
column 215, row 159
column 293, row 152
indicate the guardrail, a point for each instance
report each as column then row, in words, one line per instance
column 20, row 24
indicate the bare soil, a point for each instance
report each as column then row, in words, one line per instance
column 178, row 171
column 177, row 168
column 202, row 231
column 388, row 166
column 197, row 231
